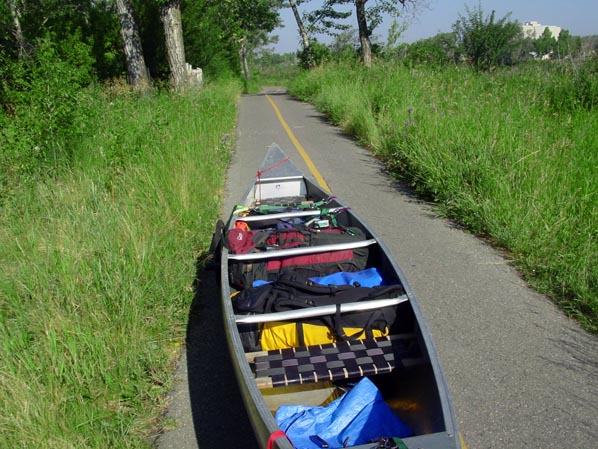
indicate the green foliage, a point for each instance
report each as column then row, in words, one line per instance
column 545, row 44
column 320, row 53
column 345, row 46
column 7, row 40
column 105, row 41
column 97, row 266
column 214, row 31
column 326, row 19
column 575, row 86
column 446, row 48
column 486, row 43
column 568, row 45
column 93, row 23
column 207, row 44
column 41, row 96
column 438, row 50
column 588, row 44
column 486, row 148
column 562, row 46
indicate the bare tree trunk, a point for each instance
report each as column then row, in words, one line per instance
column 243, row 57
column 16, row 18
column 304, row 35
column 364, row 33
column 136, row 70
column 170, row 14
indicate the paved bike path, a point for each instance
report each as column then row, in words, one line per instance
column 521, row 374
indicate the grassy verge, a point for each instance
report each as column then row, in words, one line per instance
column 495, row 151
column 97, row 265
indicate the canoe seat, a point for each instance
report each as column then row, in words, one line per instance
column 334, row 361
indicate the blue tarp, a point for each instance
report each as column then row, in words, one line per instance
column 361, row 415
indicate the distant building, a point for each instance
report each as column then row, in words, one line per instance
column 535, row 30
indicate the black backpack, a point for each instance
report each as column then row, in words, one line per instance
column 292, row 292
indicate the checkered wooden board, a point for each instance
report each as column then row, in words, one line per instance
column 332, row 361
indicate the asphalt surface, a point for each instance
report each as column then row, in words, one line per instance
column 521, row 374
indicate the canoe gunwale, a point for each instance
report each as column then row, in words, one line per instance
column 320, row 311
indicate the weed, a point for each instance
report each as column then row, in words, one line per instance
column 491, row 153
column 97, row 264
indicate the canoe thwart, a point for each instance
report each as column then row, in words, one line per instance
column 302, row 251
column 281, row 215
column 311, row 312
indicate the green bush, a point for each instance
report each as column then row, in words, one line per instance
column 487, row 42
column 320, row 53
column 439, row 50
column 44, row 108
column 576, row 87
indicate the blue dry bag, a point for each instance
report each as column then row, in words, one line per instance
column 361, row 415
column 369, row 277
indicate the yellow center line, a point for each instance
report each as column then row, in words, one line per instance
column 310, row 165
column 463, row 445
column 316, row 174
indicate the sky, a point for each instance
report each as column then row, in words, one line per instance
column 579, row 17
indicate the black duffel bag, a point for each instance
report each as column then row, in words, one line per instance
column 293, row 292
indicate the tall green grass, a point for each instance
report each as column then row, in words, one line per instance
column 495, row 151
column 97, row 264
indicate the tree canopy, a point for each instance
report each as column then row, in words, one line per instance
column 221, row 35
column 213, row 31
column 368, row 18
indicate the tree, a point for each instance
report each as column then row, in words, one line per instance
column 395, row 32
column 322, row 20
column 588, row 45
column 369, row 18
column 136, row 70
column 568, row 45
column 345, row 45
column 255, row 19
column 307, row 55
column 170, row 14
column 486, row 42
column 545, row 44
column 244, row 25
column 18, row 32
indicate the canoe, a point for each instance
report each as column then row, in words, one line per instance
column 401, row 364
